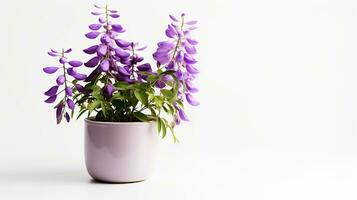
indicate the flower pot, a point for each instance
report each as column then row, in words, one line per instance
column 120, row 151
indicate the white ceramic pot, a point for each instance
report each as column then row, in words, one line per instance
column 120, row 151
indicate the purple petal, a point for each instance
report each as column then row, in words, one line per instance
column 179, row 56
column 92, row 62
column 161, row 58
column 68, row 50
column 123, row 71
column 145, row 67
column 189, row 59
column 190, row 49
column 105, row 39
column 170, row 32
column 190, row 87
column 79, row 76
column 101, row 20
column 183, row 115
column 54, row 51
column 96, row 13
column 51, row 99
column 177, row 121
column 53, row 54
column 69, row 91
column 71, row 71
column 102, row 50
column 92, row 75
column 50, row 70
column 79, row 87
column 104, row 66
column 60, row 80
column 166, row 44
column 173, row 18
column 171, row 65
column 192, row 41
column 70, row 104
column 113, row 11
column 191, row 69
column 121, row 53
column 142, row 48
column 91, row 49
column 191, row 22
column 191, row 100
column 67, row 117
column 122, row 43
column 63, row 60
column 108, row 90
column 114, row 15
column 160, row 84
column 183, row 14
column 97, row 6
column 52, row 91
column 179, row 74
column 192, row 28
column 75, row 63
column 95, row 27
column 117, row 28
column 92, row 35
column 59, row 112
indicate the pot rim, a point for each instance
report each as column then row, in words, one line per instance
column 89, row 121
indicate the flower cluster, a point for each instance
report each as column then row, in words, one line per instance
column 62, row 80
column 115, row 57
column 121, row 86
column 177, row 54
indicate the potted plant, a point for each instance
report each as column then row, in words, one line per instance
column 125, row 99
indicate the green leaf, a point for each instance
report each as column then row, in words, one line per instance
column 141, row 96
column 167, row 93
column 93, row 105
column 118, row 96
column 153, row 113
column 163, row 127
column 141, row 116
column 104, row 109
column 158, row 125
column 171, row 109
column 81, row 113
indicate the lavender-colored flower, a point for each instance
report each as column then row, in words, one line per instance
column 177, row 54
column 63, row 80
column 108, row 90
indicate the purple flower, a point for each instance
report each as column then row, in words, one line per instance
column 182, row 115
column 60, row 80
column 104, row 65
column 69, row 91
column 70, row 104
column 67, row 117
column 92, row 62
column 52, row 91
column 59, row 112
column 50, row 70
column 191, row 100
column 91, row 49
column 95, row 27
column 92, row 34
column 75, row 63
column 108, row 90
column 51, row 99
column 177, row 54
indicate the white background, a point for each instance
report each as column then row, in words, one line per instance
column 278, row 101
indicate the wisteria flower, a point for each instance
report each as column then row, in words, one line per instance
column 121, row 85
